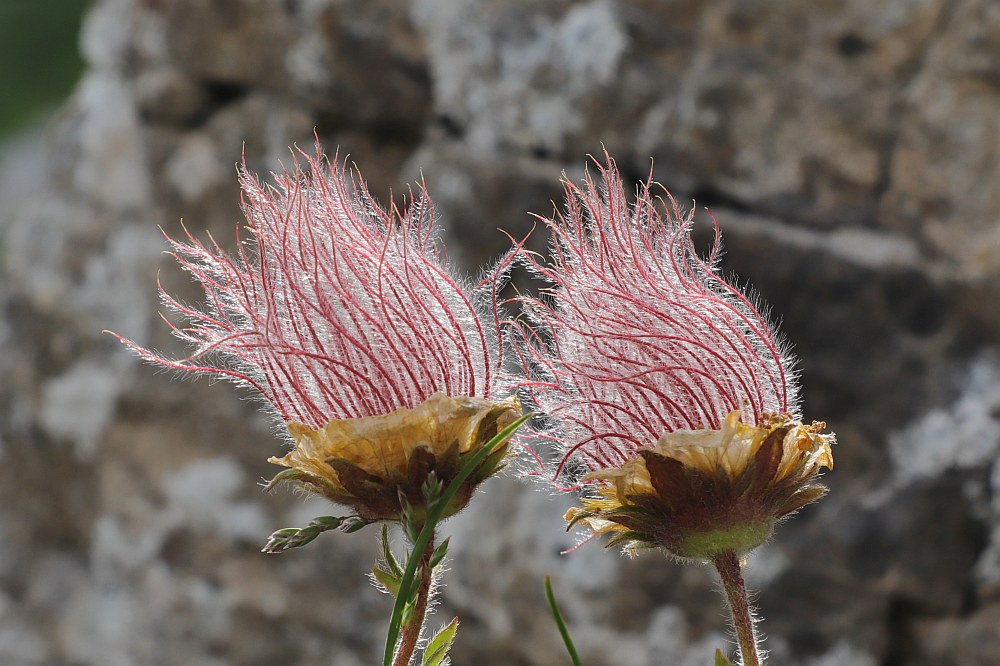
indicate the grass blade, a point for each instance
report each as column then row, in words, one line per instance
column 563, row 631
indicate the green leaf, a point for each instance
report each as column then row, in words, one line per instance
column 493, row 463
column 560, row 623
column 387, row 572
column 427, row 532
column 721, row 659
column 391, row 563
column 436, row 652
column 387, row 579
column 408, row 609
column 415, row 589
column 439, row 553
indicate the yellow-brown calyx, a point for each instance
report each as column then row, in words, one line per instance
column 371, row 463
column 700, row 493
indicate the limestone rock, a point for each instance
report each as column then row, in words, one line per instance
column 849, row 151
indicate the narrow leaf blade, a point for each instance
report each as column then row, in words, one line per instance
column 560, row 623
column 721, row 659
column 437, row 649
column 387, row 579
column 392, row 564
column 439, row 553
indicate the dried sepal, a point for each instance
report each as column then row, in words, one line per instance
column 383, row 466
column 700, row 493
column 631, row 541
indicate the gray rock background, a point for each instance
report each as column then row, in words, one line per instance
column 848, row 149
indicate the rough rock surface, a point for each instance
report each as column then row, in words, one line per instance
column 848, row 149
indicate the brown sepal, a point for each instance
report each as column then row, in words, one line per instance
column 707, row 490
column 721, row 484
column 631, row 540
column 764, row 464
column 448, row 462
column 422, row 461
column 634, row 518
column 802, row 497
column 488, row 427
column 579, row 515
column 373, row 499
column 291, row 475
column 310, row 482
column 650, row 504
column 672, row 484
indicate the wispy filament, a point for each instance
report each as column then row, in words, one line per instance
column 334, row 307
column 638, row 335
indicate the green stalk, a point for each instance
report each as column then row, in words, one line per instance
column 563, row 631
column 411, row 632
column 427, row 533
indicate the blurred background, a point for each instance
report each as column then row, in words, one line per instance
column 848, row 149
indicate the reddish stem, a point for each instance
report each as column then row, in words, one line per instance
column 728, row 566
column 410, row 634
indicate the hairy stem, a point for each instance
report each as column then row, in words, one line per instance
column 426, row 537
column 728, row 566
column 411, row 630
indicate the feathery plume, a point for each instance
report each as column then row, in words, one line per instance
column 671, row 400
column 346, row 318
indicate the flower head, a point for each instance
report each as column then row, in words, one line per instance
column 700, row 493
column 671, row 399
column 373, row 462
column 345, row 317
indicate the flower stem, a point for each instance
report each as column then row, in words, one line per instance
column 411, row 630
column 728, row 566
column 426, row 536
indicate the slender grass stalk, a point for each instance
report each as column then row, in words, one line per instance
column 425, row 537
column 728, row 566
column 563, row 631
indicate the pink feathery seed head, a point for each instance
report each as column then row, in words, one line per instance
column 638, row 335
column 334, row 307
